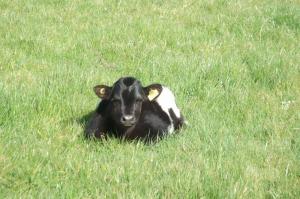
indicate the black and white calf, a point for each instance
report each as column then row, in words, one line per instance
column 131, row 111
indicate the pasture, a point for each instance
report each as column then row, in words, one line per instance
column 233, row 66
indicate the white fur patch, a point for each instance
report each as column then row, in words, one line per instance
column 166, row 101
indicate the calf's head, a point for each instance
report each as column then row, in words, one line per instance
column 125, row 99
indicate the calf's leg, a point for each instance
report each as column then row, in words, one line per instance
column 96, row 127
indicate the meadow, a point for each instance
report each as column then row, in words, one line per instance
column 233, row 66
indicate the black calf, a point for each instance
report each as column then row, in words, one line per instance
column 134, row 112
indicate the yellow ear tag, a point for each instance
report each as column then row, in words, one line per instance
column 152, row 94
column 102, row 91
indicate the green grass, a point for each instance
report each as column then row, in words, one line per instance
column 233, row 66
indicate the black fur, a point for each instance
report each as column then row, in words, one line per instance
column 177, row 122
column 127, row 97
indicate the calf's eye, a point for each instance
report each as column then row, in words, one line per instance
column 115, row 101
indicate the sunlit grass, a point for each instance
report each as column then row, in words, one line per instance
column 233, row 66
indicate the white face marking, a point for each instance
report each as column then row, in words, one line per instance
column 166, row 101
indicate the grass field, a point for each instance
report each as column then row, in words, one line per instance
column 233, row 66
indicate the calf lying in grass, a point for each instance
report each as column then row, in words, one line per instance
column 128, row 110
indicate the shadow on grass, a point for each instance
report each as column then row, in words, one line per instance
column 84, row 121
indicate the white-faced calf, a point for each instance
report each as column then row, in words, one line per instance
column 131, row 111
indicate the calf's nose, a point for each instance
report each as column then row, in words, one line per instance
column 128, row 119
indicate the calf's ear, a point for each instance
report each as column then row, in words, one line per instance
column 153, row 91
column 102, row 91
